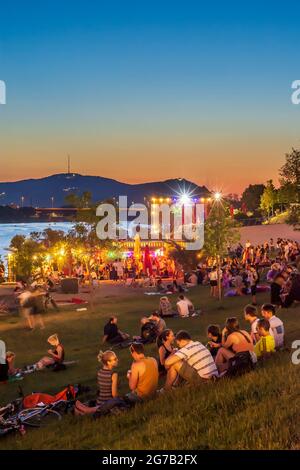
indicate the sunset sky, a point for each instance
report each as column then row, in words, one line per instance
column 149, row 90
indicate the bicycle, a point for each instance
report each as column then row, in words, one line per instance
column 36, row 417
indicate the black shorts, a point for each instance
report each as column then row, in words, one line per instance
column 253, row 290
column 213, row 283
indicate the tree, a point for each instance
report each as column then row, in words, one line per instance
column 220, row 231
column 290, row 186
column 268, row 198
column 80, row 201
column 251, row 196
column 290, row 172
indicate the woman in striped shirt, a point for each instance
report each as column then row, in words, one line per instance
column 107, row 381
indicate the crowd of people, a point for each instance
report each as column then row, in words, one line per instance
column 180, row 358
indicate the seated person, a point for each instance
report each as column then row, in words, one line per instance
column 184, row 306
column 159, row 286
column 107, row 382
column 10, row 358
column 192, row 280
column 3, row 363
column 165, row 307
column 160, row 323
column 266, row 343
column 250, row 315
column 112, row 334
column 276, row 325
column 276, row 289
column 192, row 362
column 165, row 348
column 215, row 339
column 143, row 375
column 234, row 340
column 57, row 355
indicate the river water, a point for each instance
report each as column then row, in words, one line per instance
column 8, row 231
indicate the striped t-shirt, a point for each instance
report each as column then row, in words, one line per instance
column 104, row 382
column 200, row 358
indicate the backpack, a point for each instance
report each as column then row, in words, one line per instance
column 149, row 332
column 241, row 362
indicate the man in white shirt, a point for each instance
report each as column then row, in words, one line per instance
column 276, row 325
column 193, row 362
column 183, row 306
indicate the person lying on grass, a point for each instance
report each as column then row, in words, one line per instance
column 143, row 375
column 234, row 340
column 266, row 344
column 107, row 382
column 192, row 362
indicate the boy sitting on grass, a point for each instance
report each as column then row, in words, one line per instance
column 266, row 344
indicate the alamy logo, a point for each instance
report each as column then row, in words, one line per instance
column 296, row 94
column 2, row 92
column 180, row 222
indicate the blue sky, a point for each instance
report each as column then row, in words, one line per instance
column 149, row 90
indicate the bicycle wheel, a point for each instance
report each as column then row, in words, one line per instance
column 37, row 417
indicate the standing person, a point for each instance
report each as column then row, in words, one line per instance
column 192, row 362
column 26, row 302
column 38, row 299
column 143, row 375
column 250, row 315
column 213, row 280
column 107, row 382
column 252, row 280
column 3, row 362
column 276, row 325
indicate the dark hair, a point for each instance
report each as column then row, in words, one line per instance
column 137, row 347
column 183, row 335
column 181, row 296
column 250, row 310
column 232, row 325
column 268, row 308
column 265, row 324
column 214, row 330
column 111, row 319
column 155, row 314
column 164, row 335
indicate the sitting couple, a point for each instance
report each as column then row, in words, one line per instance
column 192, row 362
column 142, row 380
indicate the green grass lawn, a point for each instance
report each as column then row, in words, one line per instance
column 260, row 410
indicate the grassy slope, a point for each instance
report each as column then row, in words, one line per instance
column 257, row 411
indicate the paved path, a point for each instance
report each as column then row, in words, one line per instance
column 261, row 233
